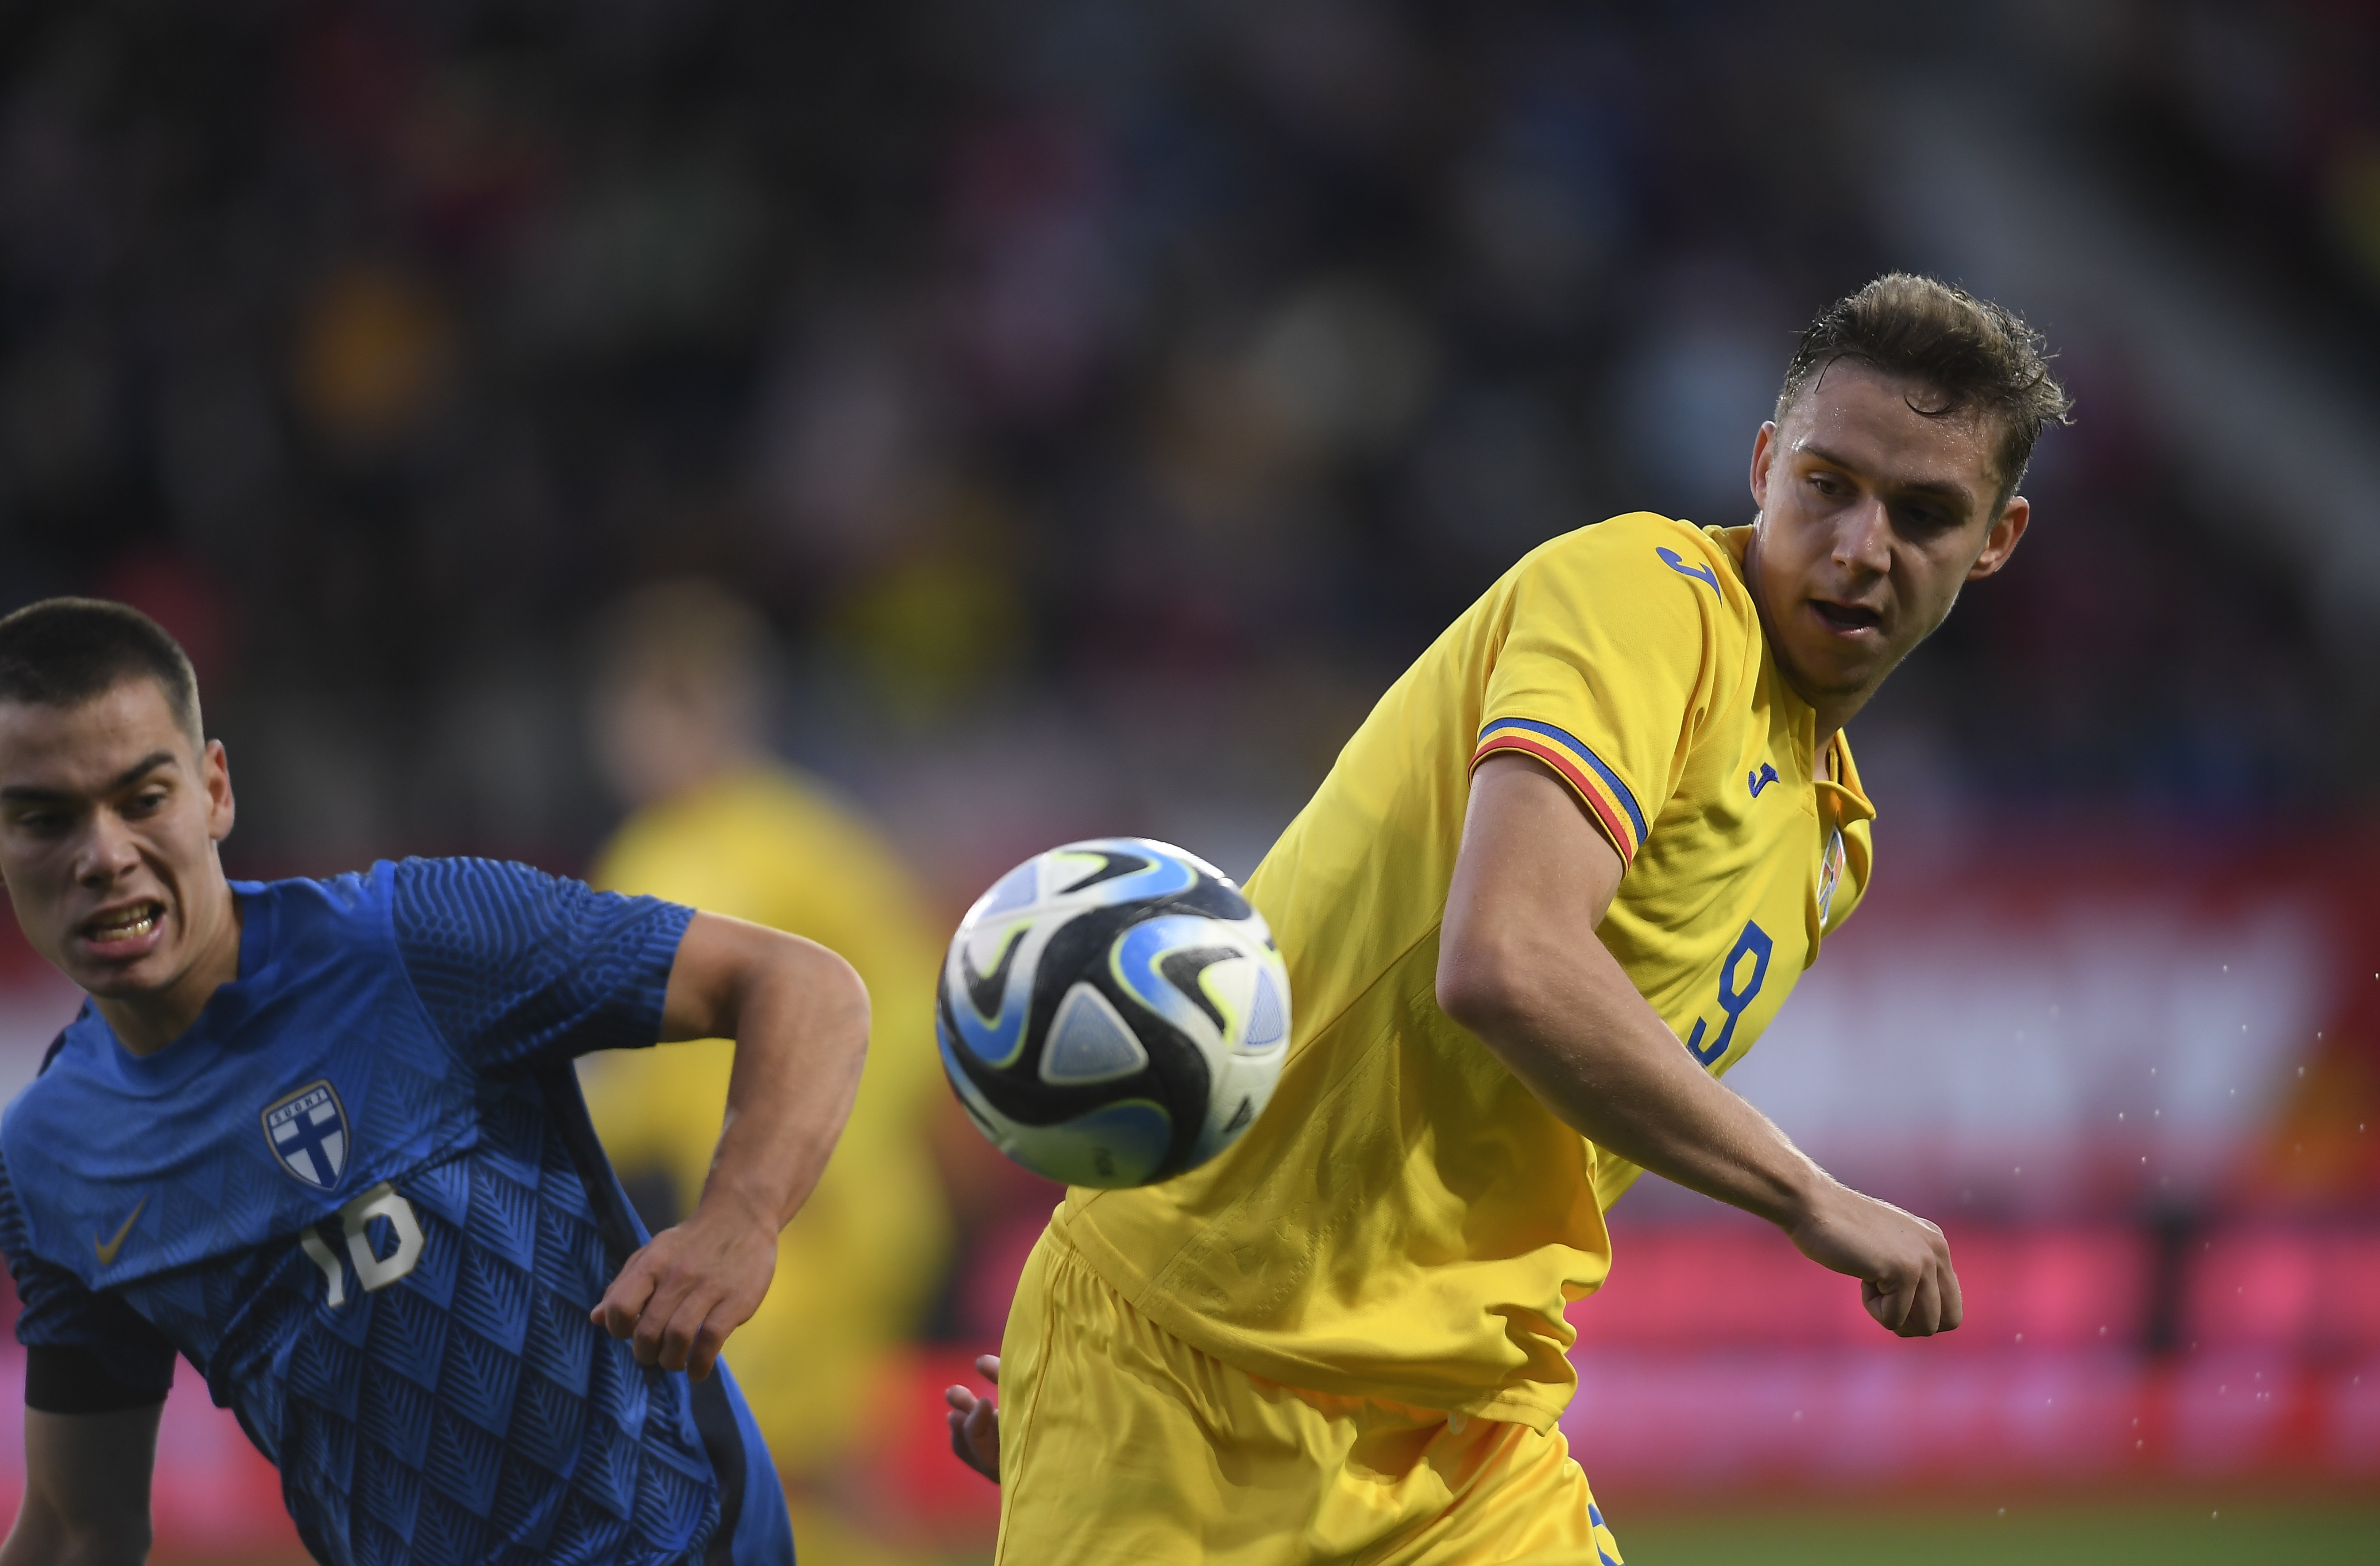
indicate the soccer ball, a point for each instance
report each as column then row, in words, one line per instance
column 1112, row 1012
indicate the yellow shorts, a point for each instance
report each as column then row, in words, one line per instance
column 1120, row 1443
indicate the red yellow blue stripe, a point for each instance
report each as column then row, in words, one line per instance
column 1597, row 784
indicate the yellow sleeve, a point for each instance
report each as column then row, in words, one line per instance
column 1610, row 663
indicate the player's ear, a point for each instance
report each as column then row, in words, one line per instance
column 1764, row 447
column 2007, row 529
column 214, row 775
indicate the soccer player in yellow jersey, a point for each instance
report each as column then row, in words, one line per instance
column 721, row 819
column 1556, row 885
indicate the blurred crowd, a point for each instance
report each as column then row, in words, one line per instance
column 1100, row 401
column 1054, row 416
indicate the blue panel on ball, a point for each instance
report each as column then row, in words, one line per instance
column 1119, row 1145
column 1016, row 891
column 1088, row 1042
column 1266, row 1020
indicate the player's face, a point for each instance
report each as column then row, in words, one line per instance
column 108, row 825
column 1871, row 516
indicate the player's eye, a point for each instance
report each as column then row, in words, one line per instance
column 146, row 803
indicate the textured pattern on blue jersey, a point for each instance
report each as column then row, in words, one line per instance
column 519, row 968
column 410, row 1344
column 475, row 1413
column 54, row 1309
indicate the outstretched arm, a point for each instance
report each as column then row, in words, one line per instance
column 86, row 1489
column 799, row 1015
column 1519, row 966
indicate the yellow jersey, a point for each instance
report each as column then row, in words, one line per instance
column 858, row 1263
column 1405, row 1222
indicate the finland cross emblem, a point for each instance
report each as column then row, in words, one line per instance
column 308, row 1132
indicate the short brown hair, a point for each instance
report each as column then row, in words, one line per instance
column 64, row 651
column 1975, row 355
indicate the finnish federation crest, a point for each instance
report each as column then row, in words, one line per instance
column 308, row 1133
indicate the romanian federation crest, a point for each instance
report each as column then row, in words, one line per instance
column 1830, row 874
column 308, row 1132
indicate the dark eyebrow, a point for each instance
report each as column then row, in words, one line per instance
column 1947, row 491
column 123, row 780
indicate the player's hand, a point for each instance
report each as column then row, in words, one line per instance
column 1902, row 1261
column 975, row 1423
column 678, row 1298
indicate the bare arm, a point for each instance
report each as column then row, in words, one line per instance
column 86, row 1489
column 800, row 1018
column 1519, row 966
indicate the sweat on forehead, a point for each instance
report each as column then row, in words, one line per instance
column 1851, row 388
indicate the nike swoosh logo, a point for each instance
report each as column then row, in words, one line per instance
column 1761, row 779
column 107, row 1251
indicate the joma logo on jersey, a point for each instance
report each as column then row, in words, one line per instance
column 308, row 1132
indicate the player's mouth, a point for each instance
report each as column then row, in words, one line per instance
column 1846, row 619
column 124, row 931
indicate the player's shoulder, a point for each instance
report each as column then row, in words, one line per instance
column 1636, row 550
column 52, row 1117
column 54, row 1091
column 495, row 911
column 306, row 921
column 469, row 888
column 713, row 832
column 1642, row 568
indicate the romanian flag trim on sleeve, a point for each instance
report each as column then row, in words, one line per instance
column 1582, row 768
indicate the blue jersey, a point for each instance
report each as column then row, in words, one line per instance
column 361, row 1195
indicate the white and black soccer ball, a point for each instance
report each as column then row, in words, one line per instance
column 1113, row 1012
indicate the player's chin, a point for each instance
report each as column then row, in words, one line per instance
column 1849, row 658
column 102, row 969
column 1832, row 671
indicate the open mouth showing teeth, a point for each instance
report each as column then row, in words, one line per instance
column 125, row 924
column 1846, row 617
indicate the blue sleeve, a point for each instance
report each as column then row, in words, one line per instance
column 521, row 969
column 56, row 1310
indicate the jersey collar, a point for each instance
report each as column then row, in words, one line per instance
column 1845, row 800
column 227, row 1008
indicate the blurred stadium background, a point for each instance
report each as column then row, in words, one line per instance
column 1099, row 403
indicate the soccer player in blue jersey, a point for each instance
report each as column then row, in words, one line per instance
column 322, row 1139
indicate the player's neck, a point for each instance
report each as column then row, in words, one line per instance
column 146, row 1023
column 1833, row 708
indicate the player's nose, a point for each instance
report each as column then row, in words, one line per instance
column 1864, row 537
column 107, row 851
